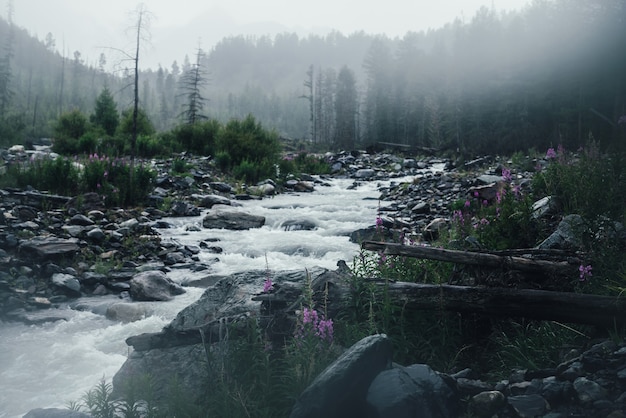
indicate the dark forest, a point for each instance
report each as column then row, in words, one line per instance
column 552, row 73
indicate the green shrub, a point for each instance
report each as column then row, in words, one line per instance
column 150, row 146
column 247, row 140
column 144, row 124
column 223, row 160
column 71, row 125
column 587, row 183
column 111, row 177
column 199, row 138
column 59, row 176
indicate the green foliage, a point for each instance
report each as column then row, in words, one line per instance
column 506, row 222
column 99, row 401
column 247, row 140
column 586, row 183
column 533, row 345
column 68, row 129
column 71, row 125
column 106, row 176
column 105, row 114
column 151, row 146
column 198, row 138
column 144, row 125
column 60, row 176
column 12, row 127
column 302, row 163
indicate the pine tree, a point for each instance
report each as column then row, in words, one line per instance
column 105, row 114
column 191, row 83
column 345, row 109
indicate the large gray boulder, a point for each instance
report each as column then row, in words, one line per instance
column 568, row 235
column 50, row 247
column 340, row 390
column 228, row 217
column 127, row 312
column 153, row 285
column 411, row 392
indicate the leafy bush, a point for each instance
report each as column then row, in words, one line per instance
column 502, row 223
column 247, row 140
column 71, row 125
column 144, row 124
column 110, row 177
column 198, row 138
column 302, row 163
column 586, row 183
column 60, row 175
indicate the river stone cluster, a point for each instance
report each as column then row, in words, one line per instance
column 51, row 248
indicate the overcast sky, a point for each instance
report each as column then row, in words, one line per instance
column 178, row 26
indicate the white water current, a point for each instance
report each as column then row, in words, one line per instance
column 49, row 365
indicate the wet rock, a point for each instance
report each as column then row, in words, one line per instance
column 299, row 225
column 588, row 390
column 208, row 201
column 340, row 390
column 82, row 220
column 528, row 406
column 365, row 173
column 127, row 312
column 226, row 217
column 50, row 247
column 184, row 209
column 67, row 282
column 413, row 391
column 221, row 187
column 568, row 235
column 153, row 285
column 96, row 235
column 486, row 404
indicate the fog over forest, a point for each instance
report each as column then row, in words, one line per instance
column 552, row 73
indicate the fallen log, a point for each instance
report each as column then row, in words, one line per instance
column 579, row 308
column 506, row 262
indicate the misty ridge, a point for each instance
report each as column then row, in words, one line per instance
column 552, row 73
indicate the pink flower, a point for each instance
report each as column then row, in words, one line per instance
column 506, row 174
column 550, row 154
column 585, row 272
column 267, row 286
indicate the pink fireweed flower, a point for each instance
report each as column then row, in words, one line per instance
column 379, row 222
column 268, row 285
column 315, row 324
column 550, row 154
column 324, row 330
column 506, row 174
column 467, row 203
column 585, row 272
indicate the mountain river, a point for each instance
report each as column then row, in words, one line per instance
column 50, row 365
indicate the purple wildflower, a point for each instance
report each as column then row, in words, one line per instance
column 506, row 174
column 379, row 222
column 550, row 154
column 268, row 285
column 585, row 272
column 467, row 203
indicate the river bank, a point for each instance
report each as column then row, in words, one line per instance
column 112, row 250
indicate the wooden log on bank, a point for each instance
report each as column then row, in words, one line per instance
column 476, row 258
column 605, row 311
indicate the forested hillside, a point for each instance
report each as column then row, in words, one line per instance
column 553, row 73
